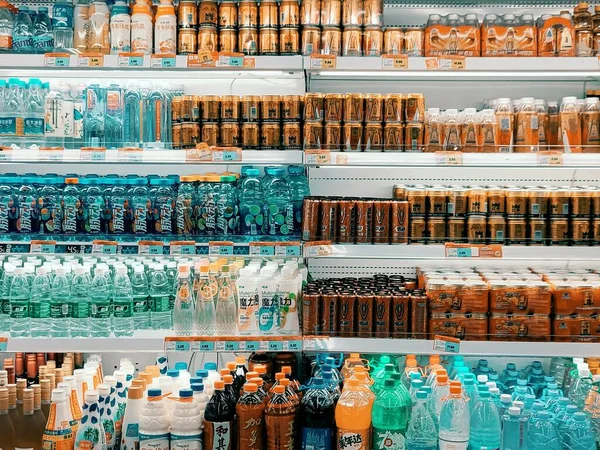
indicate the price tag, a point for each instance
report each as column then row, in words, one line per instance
column 224, row 248
column 550, row 158
column 219, row 346
column 90, row 60
column 182, row 346
column 292, row 345
column 163, row 61
column 51, row 154
column 394, row 62
column 317, row 248
column 92, row 154
column 57, row 60
column 182, row 248
column 341, row 159
column 249, row 62
column 232, row 346
column 446, row 344
column 448, row 158
column 452, row 62
column 204, row 58
column 150, row 248
column 453, row 250
column 275, row 346
column 283, row 249
column 252, row 346
column 130, row 60
column 317, row 157
column 261, row 249
column 104, row 247
column 228, row 155
column 319, row 62
column 207, row 346
column 130, row 154
column 3, row 344
column 231, row 60
column 432, row 63
column 6, row 154
column 202, row 153
column 43, row 247
column 315, row 343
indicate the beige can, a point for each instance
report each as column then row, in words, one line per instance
column 373, row 108
column 334, row 104
column 228, row 14
column 413, row 41
column 352, row 41
column 289, row 14
column 393, row 41
column 354, row 108
column 310, row 12
column 210, row 134
column 476, row 229
column 373, row 137
column 268, row 14
column 248, row 41
column 250, row 136
column 208, row 13
column 331, row 41
column 230, row 108
column 270, row 136
column 332, row 136
column 187, row 14
column 331, row 12
column 393, row 137
column 210, row 108
column 313, row 135
column 311, row 40
column 228, row 41
column 187, row 41
column 373, row 13
column 250, row 108
column 292, row 136
column 313, row 106
column 352, row 12
column 372, row 41
column 291, row 108
column 230, row 135
column 268, row 40
column 353, row 134
column 207, row 39
column 414, row 105
column 289, row 41
column 393, row 108
column 248, row 13
column 270, row 108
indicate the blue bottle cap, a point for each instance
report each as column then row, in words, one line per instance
column 202, row 373
column 317, row 382
column 210, row 366
column 181, row 365
column 195, row 380
column 521, row 382
column 327, row 375
column 197, row 387
column 161, row 181
column 421, row 395
column 154, row 392
column 173, row 373
column 186, row 393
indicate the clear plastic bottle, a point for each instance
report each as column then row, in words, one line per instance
column 226, row 313
column 60, row 307
column 485, row 423
column 156, row 122
column 80, row 302
column 455, row 422
column 299, row 189
column 14, row 111
column 100, row 304
column 570, row 125
column 55, row 133
column 43, row 38
column 94, row 116
column 134, row 112
column 160, row 289
column 67, row 113
column 251, row 203
column 183, row 312
column 278, row 209
column 139, row 286
column 7, row 24
column 154, row 422
column 79, row 102
column 23, row 32
column 186, row 423
column 34, row 119
column 542, row 433
column 19, row 304
column 123, row 304
column 71, row 204
column 515, row 428
column 581, row 388
column 115, row 111
column 227, row 207
column 163, row 201
column 422, row 432
column 580, row 433
column 62, row 26
column 120, row 28
column 205, row 314
column 439, row 392
column 41, row 296
column 5, row 310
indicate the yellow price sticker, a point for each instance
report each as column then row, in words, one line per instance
column 394, row 62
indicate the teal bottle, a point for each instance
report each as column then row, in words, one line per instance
column 470, row 390
column 251, row 203
column 100, row 304
column 515, row 429
column 185, row 204
column 542, row 433
column 28, row 207
column 19, row 304
column 141, row 205
column 50, row 205
column 80, row 302
column 115, row 111
column 581, row 388
column 228, row 215
column 140, row 289
column 41, row 297
column 422, row 431
column 7, row 204
column 161, row 218
column 389, row 418
column 160, row 290
column 5, row 311
column 379, row 379
column 72, row 209
column 485, row 424
column 122, row 212
column 123, row 324
column 60, row 307
column 134, row 110
column 278, row 209
column 562, row 423
column 94, row 116
column 93, row 204
column 299, row 189
column 580, row 433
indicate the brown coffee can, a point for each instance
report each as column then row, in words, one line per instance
column 328, row 219
column 372, row 40
column 331, row 41
column 517, row 231
column 352, row 41
column 383, row 315
column 313, row 135
column 352, row 12
column 417, row 200
column 581, row 231
column 211, row 107
column 187, row 41
column 560, row 202
column 373, row 107
column 346, row 221
column 248, row 41
column 248, row 13
column 399, row 192
column 353, row 134
column 496, row 198
column 413, row 137
column 516, row 202
column 332, row 139
column 436, row 230
column 354, row 109
column 331, row 12
column 310, row 219
column 400, row 315
column 270, row 136
column 393, row 137
column 268, row 13
column 187, row 14
column 559, row 232
column 381, row 221
column 176, row 131
column 329, row 314
column 230, row 135
column 313, row 106
column 230, row 108
column 250, row 108
column 289, row 41
column 228, row 14
column 364, row 221
column 458, row 201
column 270, row 108
column 414, row 108
column 365, row 306
column 208, row 13
column 438, row 201
column 310, row 12
column 190, row 135
column 228, row 41
column 250, row 136
column 289, row 14
column 347, row 312
column 596, row 231
column 414, row 41
column 477, row 203
column 456, row 230
column 268, row 41
column 333, row 107
column 373, row 137
column 419, row 312
column 310, row 40
column 208, row 39
column 393, row 108
column 538, row 230
column 393, row 41
column 476, row 229
column 399, row 222
column 538, row 202
column 291, row 108
column 292, row 136
column 210, row 134
column 496, row 226
column 310, row 313
column 176, row 108
column 596, row 203
column 581, row 202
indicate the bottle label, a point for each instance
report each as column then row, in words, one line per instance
column 27, row 212
column 248, row 307
column 80, row 310
column 140, row 305
column 154, row 442
column 21, row 43
column 179, row 442
column 99, row 310
column 317, row 438
column 53, row 111
column 165, row 34
column 6, row 42
column 141, row 33
column 250, row 426
column 43, row 42
column 5, row 306
column 163, row 224
column 118, row 219
column 281, row 429
column 140, row 207
column 388, row 440
column 67, row 117
column 78, row 120
column 62, row 16
column 6, row 212
column 160, row 303
column 19, row 310
column 114, row 102
column 123, row 308
column 8, row 126
column 71, row 211
column 33, row 126
column 353, row 439
column 60, row 310
column 40, row 310
column 445, row 445
column 217, row 435
column 133, row 430
column 279, row 220
column 94, row 213
column 120, row 32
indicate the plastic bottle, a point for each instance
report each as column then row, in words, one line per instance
column 440, row 391
column 58, row 433
column 157, row 121
column 288, row 302
column 141, row 28
column 139, row 287
column 134, row 114
column 163, row 201
column 100, row 304
column 67, row 114
column 278, row 209
column 43, row 39
column 62, row 26
column 19, row 296
column 581, row 388
column 115, row 112
column 353, row 417
column 183, row 313
column 120, row 384
column 7, row 24
column 160, row 314
column 81, row 290
column 250, row 422
column 154, row 423
column 542, row 433
column 94, row 115
column 34, row 119
column 41, row 296
column 454, row 421
column 186, row 423
column 470, row 391
column 219, row 420
column 131, row 420
column 570, row 125
column 22, row 37
column 54, row 127
column 120, row 28
column 97, row 36
column 515, row 429
column 90, row 434
column 485, row 423
column 60, row 307
column 226, row 313
column 299, row 189
column 7, row 430
column 390, row 417
column 247, row 317
column 122, row 304
column 165, row 28
column 251, row 203
column 280, row 421
column 421, row 433
column 107, row 405
column 317, row 416
column 580, row 433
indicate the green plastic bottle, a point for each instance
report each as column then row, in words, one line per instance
column 390, row 418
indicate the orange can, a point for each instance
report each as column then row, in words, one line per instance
column 248, row 41
column 313, row 135
column 230, row 108
column 352, row 12
column 210, row 134
column 250, row 108
column 373, row 14
column 292, row 139
column 211, row 105
column 311, row 39
column 413, row 41
column 187, row 41
column 332, row 139
column 372, row 40
column 373, row 107
column 270, row 135
column 207, row 39
column 230, row 135
column 313, row 106
column 289, row 14
column 187, row 14
column 208, row 13
column 228, row 40
column 352, row 41
column 414, row 108
column 333, row 107
column 393, row 137
column 291, row 108
column 310, row 12
column 268, row 41
column 373, row 137
column 353, row 134
column 354, row 108
column 228, row 14
column 289, row 41
column 393, row 108
column 331, row 12
column 268, row 14
column 393, row 41
column 331, row 41
column 248, row 13
column 413, row 137
column 250, row 136
column 270, row 108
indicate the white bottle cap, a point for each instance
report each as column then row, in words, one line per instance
column 491, row 384
column 61, row 270
column 103, row 389
column 518, row 404
column 505, row 398
column 495, row 391
column 287, row 271
column 58, row 395
column 79, row 270
column 246, row 272
column 584, row 373
column 514, row 411
column 42, row 270
column 482, row 379
column 92, row 397
column 138, row 269
column 20, row 271
column 121, row 270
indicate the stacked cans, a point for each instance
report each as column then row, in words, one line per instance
column 348, row 28
column 381, row 306
column 355, row 220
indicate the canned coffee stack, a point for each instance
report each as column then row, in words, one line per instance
column 403, row 41
column 289, row 31
column 187, row 23
column 185, row 121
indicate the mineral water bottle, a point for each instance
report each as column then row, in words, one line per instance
column 542, row 433
column 62, row 27
column 55, row 133
column 115, row 112
column 580, row 433
column 79, row 102
column 123, row 304
column 5, row 311
column 68, row 108
column 41, row 296
column 205, row 314
column 160, row 289
column 226, row 313
column 439, row 392
column 94, row 116
column 43, row 39
column 390, row 418
column 23, row 32
column 278, row 209
column 515, row 429
column 139, row 286
column 251, row 203
column 80, row 302
column 13, row 99
column 581, row 388
column 485, row 423
column 183, row 312
column 100, row 309
column 7, row 24
column 455, row 423
column 34, row 119
column 299, row 189
column 134, row 110
column 421, row 433
column 19, row 304
column 60, row 307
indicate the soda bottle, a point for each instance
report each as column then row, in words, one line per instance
column 7, row 23
column 454, row 421
column 317, row 417
column 421, row 433
column 542, row 433
column 350, row 363
column 485, row 423
column 250, row 410
column 353, row 417
column 239, row 374
column 230, row 394
column 280, row 421
column 218, row 420
column 390, row 416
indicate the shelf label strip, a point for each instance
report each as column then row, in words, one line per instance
column 453, row 250
column 446, row 344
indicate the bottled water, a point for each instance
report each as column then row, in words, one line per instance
column 78, row 111
column 580, row 433
column 183, row 312
column 41, row 298
column 43, row 39
column 7, row 277
column 7, row 24
column 439, row 392
column 23, row 32
column 60, row 307
column 134, row 109
column 67, row 113
column 62, row 26
column 19, row 304
column 454, row 421
column 542, row 433
column 55, row 132
column 34, row 119
column 515, row 429
column 226, row 313
column 70, row 202
column 227, row 207
column 100, row 310
column 278, row 209
column 205, row 315
column 160, row 289
column 581, row 388
column 251, row 203
column 422, row 432
column 299, row 189
column 485, row 423
column 93, row 116
column 139, row 285
column 13, row 99
column 80, row 301
column 93, row 204
column 123, row 304
column 114, row 116
column 141, row 204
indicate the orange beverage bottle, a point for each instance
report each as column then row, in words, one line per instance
column 353, row 417
column 261, row 390
column 553, row 129
column 280, row 418
column 353, row 361
column 570, row 125
column 262, row 372
column 542, row 112
column 469, row 131
column 451, row 130
column 433, row 130
column 527, row 138
column 250, row 411
column 287, row 370
column 504, row 125
column 289, row 391
column 590, row 123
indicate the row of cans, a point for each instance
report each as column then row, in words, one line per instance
column 355, row 220
column 515, row 202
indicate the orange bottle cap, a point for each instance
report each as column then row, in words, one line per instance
column 227, row 379
column 279, row 376
column 219, row 385
column 441, row 371
column 287, row 370
column 224, row 372
column 258, row 381
column 353, row 382
column 250, row 375
column 285, row 382
column 240, row 360
column 279, row 389
column 455, row 390
column 442, row 378
column 260, row 369
column 230, row 366
column 250, row 387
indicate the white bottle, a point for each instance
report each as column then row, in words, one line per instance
column 247, row 318
column 141, row 28
column 59, row 420
column 154, row 423
column 288, row 302
column 66, row 388
column 131, row 423
column 200, row 397
column 165, row 28
column 120, row 28
column 107, row 413
column 267, row 287
column 184, row 375
column 186, row 423
column 213, row 375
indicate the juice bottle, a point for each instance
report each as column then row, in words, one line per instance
column 469, row 132
column 433, row 130
column 570, row 125
column 7, row 430
column 90, row 435
column 504, row 125
column 542, row 114
column 58, row 433
column 218, row 420
column 590, row 124
column 553, row 129
column 186, row 423
column 451, row 130
column 280, row 421
column 250, row 411
column 130, row 438
column 317, row 417
column 98, row 40
column 526, row 138
column 353, row 361
column 141, row 28
column 165, row 28
column 353, row 418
